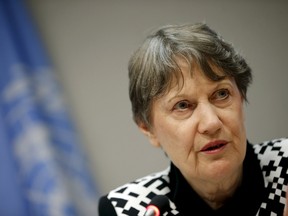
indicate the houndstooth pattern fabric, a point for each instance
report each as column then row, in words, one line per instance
column 273, row 156
column 132, row 198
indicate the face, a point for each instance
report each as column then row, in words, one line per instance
column 200, row 126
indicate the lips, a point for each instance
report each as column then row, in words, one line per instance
column 214, row 146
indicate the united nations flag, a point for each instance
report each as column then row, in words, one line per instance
column 43, row 170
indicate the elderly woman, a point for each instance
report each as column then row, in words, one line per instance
column 188, row 89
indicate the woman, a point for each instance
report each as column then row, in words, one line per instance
column 188, row 88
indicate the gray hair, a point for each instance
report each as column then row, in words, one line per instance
column 153, row 66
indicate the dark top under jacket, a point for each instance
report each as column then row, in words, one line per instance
column 262, row 192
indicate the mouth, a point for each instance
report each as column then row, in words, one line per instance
column 214, row 146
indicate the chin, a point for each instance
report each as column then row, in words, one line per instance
column 222, row 169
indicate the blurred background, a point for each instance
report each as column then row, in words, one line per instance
column 89, row 43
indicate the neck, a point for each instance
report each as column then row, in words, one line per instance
column 216, row 194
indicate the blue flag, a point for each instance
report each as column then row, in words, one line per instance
column 43, row 170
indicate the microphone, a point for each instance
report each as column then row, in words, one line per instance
column 158, row 205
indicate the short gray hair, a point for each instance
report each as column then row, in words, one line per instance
column 153, row 65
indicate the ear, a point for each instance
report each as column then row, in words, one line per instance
column 149, row 133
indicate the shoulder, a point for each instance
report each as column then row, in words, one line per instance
column 273, row 158
column 272, row 149
column 132, row 198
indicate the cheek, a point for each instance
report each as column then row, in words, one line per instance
column 165, row 134
column 235, row 122
column 175, row 139
column 240, row 117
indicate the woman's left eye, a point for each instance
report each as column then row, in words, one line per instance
column 221, row 94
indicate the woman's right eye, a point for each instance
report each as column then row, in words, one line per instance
column 182, row 105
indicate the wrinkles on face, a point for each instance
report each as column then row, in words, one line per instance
column 202, row 111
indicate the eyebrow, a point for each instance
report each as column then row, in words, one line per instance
column 224, row 81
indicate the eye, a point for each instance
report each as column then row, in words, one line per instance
column 182, row 105
column 221, row 94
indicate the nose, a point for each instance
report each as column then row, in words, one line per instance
column 209, row 119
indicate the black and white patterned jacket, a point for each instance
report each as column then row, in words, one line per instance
column 263, row 190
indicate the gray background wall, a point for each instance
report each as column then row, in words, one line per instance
column 90, row 42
